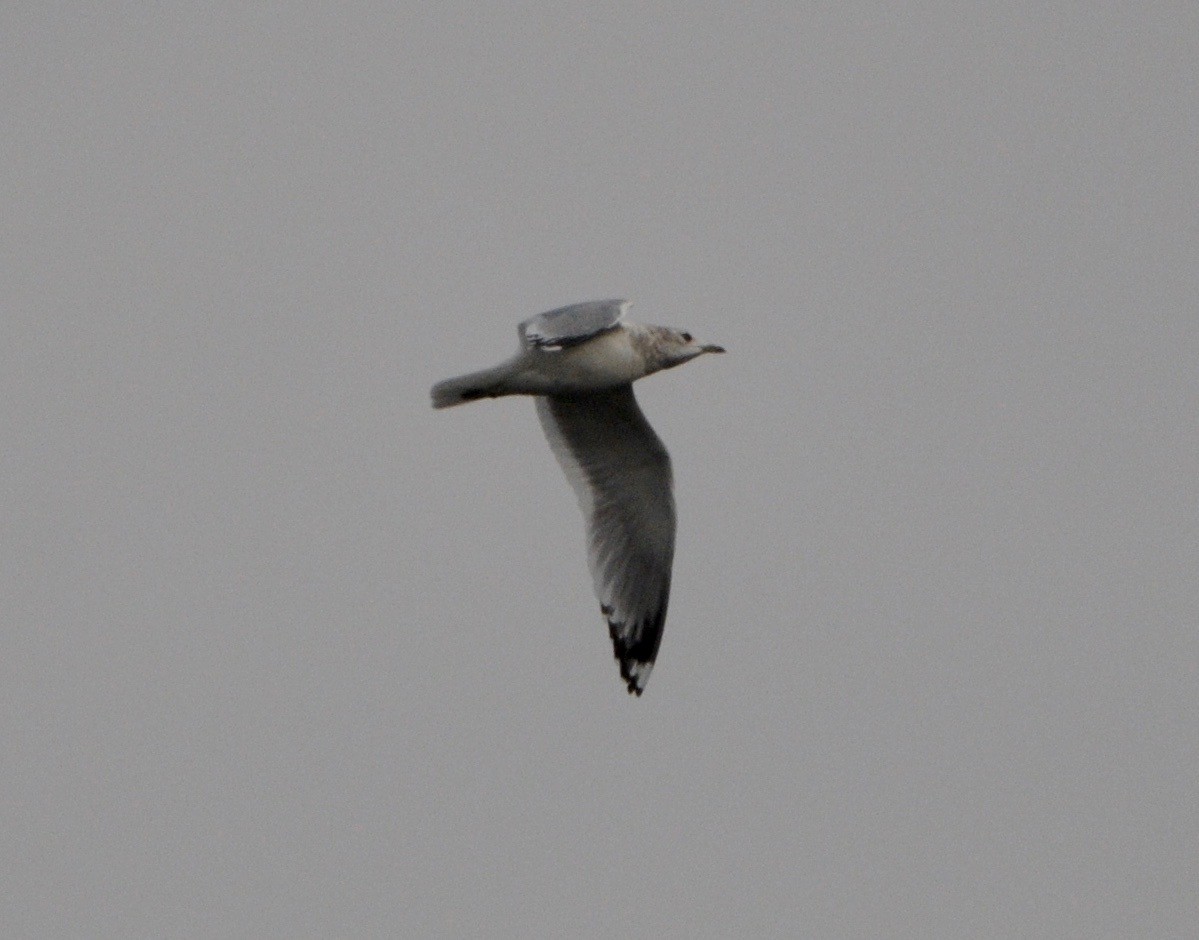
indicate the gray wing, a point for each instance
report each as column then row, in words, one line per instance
column 620, row 472
column 569, row 326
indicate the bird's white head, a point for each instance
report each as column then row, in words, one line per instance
column 674, row 347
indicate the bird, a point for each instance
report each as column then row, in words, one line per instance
column 579, row 362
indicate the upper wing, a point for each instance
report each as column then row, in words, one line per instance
column 569, row 326
column 620, row 472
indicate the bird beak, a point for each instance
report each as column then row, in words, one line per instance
column 711, row 349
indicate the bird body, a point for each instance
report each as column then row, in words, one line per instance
column 580, row 362
column 605, row 358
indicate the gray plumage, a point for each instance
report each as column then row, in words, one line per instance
column 580, row 362
column 570, row 326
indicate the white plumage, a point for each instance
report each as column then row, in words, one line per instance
column 580, row 362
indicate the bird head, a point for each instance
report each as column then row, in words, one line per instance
column 678, row 346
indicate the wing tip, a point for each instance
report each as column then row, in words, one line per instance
column 636, row 657
column 635, row 673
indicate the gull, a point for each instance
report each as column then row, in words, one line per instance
column 580, row 362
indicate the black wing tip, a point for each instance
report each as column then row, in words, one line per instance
column 636, row 659
column 631, row 678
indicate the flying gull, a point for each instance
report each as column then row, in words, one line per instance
column 580, row 362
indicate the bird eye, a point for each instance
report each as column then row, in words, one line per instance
column 686, row 337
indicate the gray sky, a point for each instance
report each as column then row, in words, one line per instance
column 287, row 653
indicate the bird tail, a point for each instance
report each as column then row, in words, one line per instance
column 487, row 383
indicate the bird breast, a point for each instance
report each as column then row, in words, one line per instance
column 607, row 360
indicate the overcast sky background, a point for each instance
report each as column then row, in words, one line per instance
column 287, row 653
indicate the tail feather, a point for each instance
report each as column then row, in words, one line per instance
column 488, row 383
